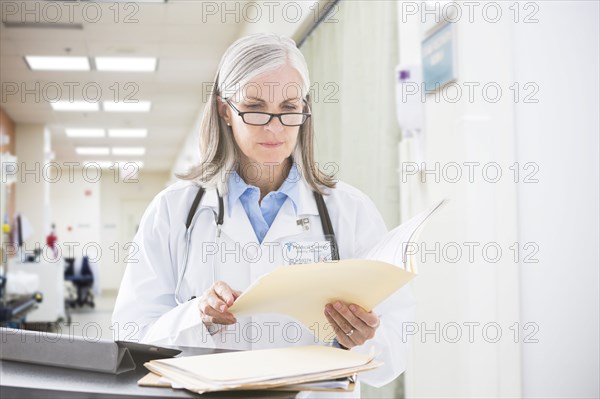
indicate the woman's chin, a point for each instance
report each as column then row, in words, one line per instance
column 272, row 160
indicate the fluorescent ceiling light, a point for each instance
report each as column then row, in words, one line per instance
column 127, row 133
column 74, row 106
column 140, row 106
column 126, row 64
column 92, row 150
column 40, row 63
column 85, row 132
column 128, row 151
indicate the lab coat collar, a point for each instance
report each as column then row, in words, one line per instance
column 237, row 225
column 286, row 222
column 210, row 199
column 306, row 199
column 306, row 204
column 236, row 187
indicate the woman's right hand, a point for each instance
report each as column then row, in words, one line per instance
column 215, row 302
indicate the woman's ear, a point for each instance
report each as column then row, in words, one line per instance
column 223, row 110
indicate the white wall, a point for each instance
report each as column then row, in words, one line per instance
column 122, row 205
column 31, row 189
column 466, row 291
column 559, row 294
column 75, row 207
column 560, row 213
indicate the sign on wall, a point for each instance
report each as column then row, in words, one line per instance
column 439, row 57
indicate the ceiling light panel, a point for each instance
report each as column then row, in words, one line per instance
column 126, row 64
column 74, row 106
column 134, row 151
column 42, row 63
column 127, row 133
column 84, row 133
column 92, row 150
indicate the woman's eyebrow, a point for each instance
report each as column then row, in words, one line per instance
column 289, row 100
column 255, row 99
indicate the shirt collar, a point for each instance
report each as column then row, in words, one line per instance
column 236, row 186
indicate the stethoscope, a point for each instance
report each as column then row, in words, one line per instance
column 191, row 217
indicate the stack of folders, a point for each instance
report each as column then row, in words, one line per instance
column 296, row 368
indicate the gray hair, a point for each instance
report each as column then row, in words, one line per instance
column 245, row 59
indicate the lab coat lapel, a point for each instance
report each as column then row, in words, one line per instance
column 306, row 201
column 285, row 223
column 237, row 225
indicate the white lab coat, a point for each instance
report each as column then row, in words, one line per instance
column 146, row 309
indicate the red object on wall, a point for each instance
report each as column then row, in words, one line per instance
column 88, row 193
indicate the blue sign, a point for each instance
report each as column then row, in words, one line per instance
column 437, row 51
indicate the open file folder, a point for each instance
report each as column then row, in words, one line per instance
column 302, row 291
column 262, row 369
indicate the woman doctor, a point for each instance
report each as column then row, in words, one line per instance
column 259, row 211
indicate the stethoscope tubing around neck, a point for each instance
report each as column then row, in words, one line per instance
column 191, row 221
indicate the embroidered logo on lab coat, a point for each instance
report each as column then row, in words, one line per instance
column 306, row 252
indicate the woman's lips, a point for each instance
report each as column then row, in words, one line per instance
column 272, row 144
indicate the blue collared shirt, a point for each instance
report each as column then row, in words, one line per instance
column 262, row 215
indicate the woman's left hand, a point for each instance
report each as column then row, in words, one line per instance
column 352, row 324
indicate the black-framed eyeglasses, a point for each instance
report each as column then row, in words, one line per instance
column 264, row 118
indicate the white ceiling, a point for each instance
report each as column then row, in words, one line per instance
column 188, row 52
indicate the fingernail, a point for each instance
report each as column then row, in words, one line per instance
column 222, row 308
column 338, row 305
column 353, row 308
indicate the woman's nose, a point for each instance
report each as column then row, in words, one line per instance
column 275, row 125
